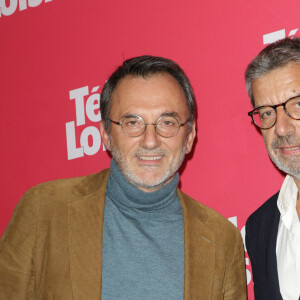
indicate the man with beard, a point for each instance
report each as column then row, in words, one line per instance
column 273, row 231
column 127, row 232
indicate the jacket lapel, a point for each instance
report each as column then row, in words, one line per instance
column 199, row 247
column 86, row 213
column 271, row 259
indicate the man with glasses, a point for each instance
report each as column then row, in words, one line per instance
column 273, row 230
column 128, row 232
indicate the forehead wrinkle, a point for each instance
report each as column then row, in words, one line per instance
column 278, row 85
column 268, row 94
column 139, row 96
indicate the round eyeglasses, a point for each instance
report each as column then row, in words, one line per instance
column 265, row 117
column 134, row 125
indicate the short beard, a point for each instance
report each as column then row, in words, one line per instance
column 291, row 167
column 141, row 182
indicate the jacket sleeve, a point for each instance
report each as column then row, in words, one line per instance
column 17, row 249
column 235, row 286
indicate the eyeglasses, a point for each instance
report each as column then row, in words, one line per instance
column 265, row 116
column 134, row 125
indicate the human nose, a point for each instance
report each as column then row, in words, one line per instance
column 150, row 138
column 284, row 124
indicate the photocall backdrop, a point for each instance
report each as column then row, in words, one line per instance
column 56, row 55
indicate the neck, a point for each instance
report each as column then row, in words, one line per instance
column 127, row 195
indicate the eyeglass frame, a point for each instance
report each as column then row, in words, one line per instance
column 283, row 104
column 146, row 124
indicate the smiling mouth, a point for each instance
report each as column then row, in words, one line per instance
column 290, row 149
column 149, row 158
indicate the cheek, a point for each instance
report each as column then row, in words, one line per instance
column 128, row 145
column 175, row 147
column 268, row 139
column 121, row 142
column 125, row 147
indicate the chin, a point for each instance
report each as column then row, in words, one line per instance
column 290, row 168
column 149, row 183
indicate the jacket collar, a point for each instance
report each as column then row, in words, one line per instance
column 86, row 212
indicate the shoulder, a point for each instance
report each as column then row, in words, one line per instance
column 210, row 218
column 262, row 227
column 265, row 210
column 49, row 201
column 64, row 190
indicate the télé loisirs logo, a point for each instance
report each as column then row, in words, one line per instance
column 7, row 8
column 277, row 35
column 83, row 138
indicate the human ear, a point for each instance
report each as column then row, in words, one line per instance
column 190, row 138
column 104, row 135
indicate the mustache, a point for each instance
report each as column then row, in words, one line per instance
column 285, row 140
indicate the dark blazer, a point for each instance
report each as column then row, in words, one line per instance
column 52, row 247
column 261, row 237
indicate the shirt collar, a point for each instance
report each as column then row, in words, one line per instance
column 286, row 203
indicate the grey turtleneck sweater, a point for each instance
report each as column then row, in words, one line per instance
column 143, row 242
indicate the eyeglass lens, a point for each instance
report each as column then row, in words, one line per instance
column 166, row 126
column 265, row 116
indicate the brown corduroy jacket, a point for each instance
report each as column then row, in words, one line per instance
column 52, row 247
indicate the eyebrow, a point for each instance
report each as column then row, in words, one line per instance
column 296, row 96
column 129, row 116
column 170, row 114
column 164, row 114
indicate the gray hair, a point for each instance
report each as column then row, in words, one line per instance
column 145, row 66
column 275, row 55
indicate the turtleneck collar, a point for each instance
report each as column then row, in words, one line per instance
column 126, row 195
